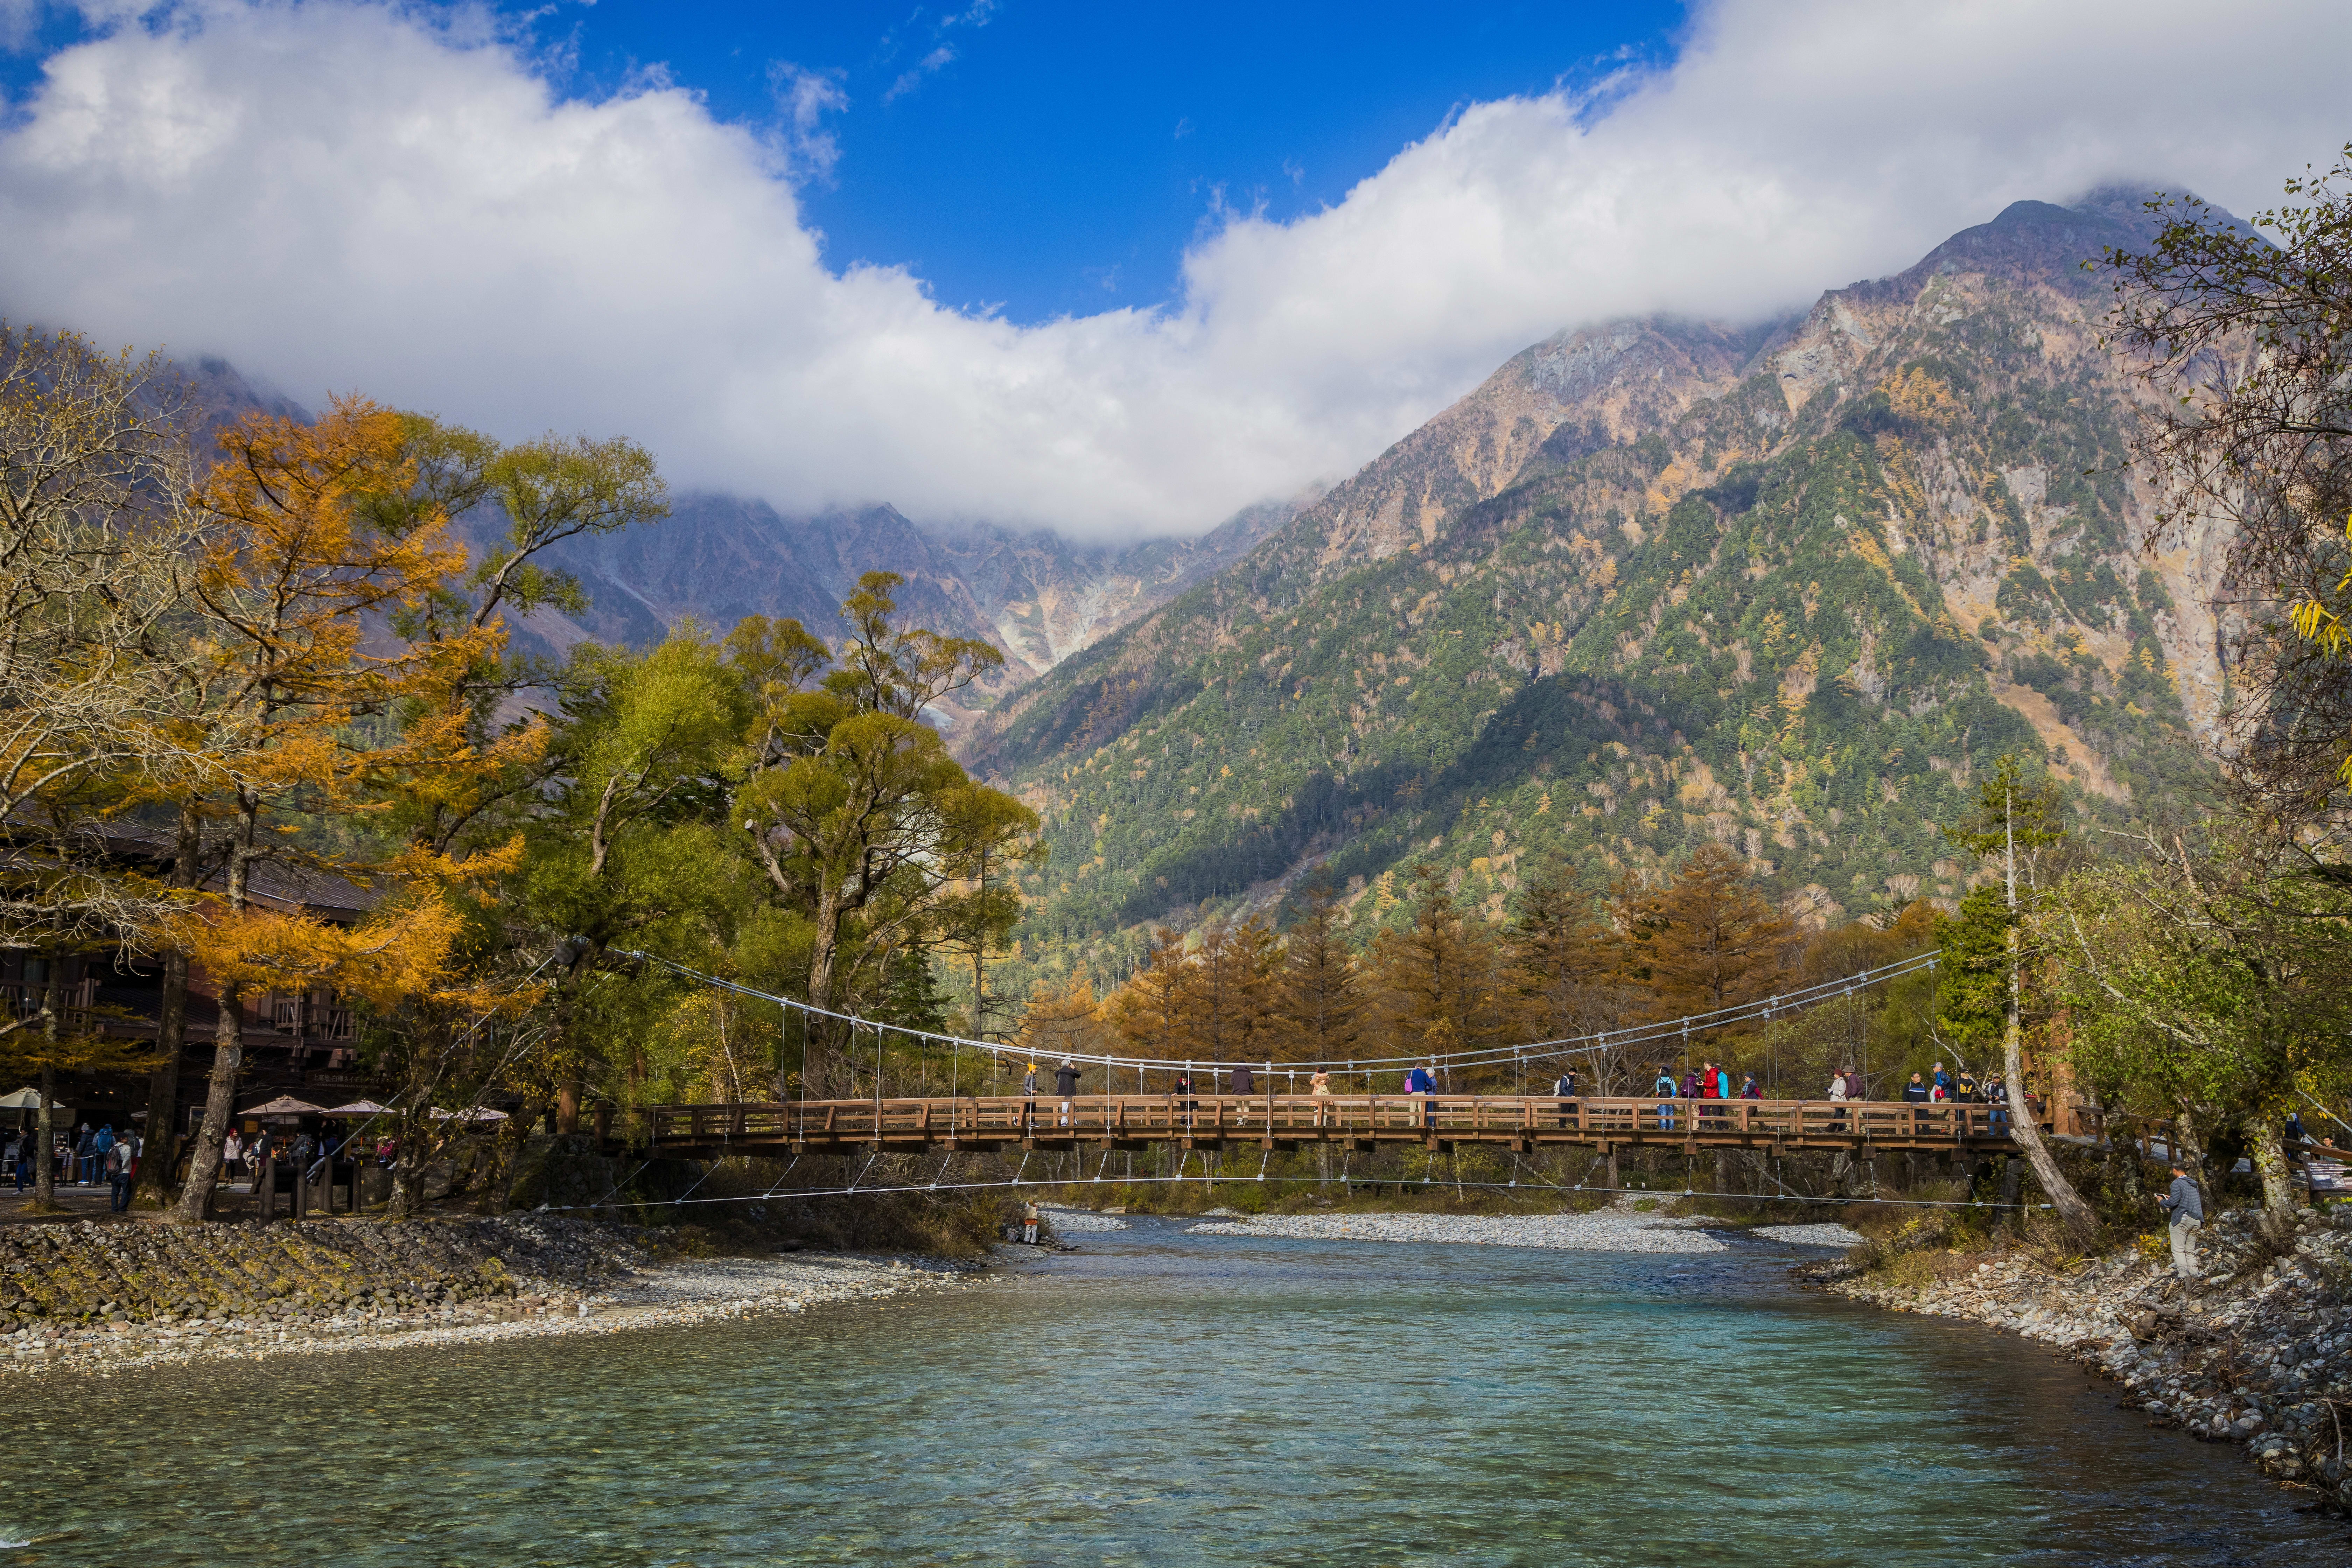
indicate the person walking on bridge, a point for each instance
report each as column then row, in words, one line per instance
column 1066, row 1084
column 1664, row 1090
column 1244, row 1082
column 1318, row 1090
column 1916, row 1094
column 1564, row 1091
column 2186, row 1204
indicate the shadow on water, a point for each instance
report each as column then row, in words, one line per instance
column 1161, row 1398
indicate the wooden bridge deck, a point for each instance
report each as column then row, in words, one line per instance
column 1284, row 1122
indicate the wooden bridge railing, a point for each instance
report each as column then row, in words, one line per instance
column 1500, row 1119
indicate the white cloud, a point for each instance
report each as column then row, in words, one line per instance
column 339, row 195
column 806, row 97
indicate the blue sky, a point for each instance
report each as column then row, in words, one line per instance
column 1064, row 156
column 1115, row 271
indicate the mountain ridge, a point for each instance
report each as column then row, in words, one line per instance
column 1716, row 579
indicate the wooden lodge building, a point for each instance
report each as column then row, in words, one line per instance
column 298, row 1043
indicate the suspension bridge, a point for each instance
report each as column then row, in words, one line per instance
column 1289, row 1122
column 1282, row 1121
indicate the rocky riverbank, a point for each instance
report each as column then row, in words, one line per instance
column 2258, row 1353
column 108, row 1298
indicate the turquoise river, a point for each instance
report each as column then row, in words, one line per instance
column 1164, row 1398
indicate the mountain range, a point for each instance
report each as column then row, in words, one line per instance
column 1789, row 588
column 1036, row 597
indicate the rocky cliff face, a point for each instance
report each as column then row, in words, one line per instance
column 1658, row 581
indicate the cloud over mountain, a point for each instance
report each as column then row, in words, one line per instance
column 342, row 194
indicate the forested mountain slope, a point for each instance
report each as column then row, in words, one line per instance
column 1657, row 583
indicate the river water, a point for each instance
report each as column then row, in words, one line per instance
column 1160, row 1398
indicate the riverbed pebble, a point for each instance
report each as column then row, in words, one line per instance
column 1606, row 1230
column 1082, row 1219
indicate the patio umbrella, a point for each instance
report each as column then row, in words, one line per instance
column 27, row 1099
column 361, row 1108
column 285, row 1105
column 484, row 1114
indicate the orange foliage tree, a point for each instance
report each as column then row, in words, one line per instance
column 278, row 681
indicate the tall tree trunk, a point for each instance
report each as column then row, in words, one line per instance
column 824, row 951
column 45, row 1167
column 2074, row 1214
column 228, row 1039
column 160, row 1157
column 220, row 1104
column 2269, row 1152
column 407, row 1178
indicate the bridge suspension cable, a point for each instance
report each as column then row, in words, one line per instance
column 1762, row 1010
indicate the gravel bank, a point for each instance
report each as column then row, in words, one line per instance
column 1605, row 1230
column 1810, row 1234
column 2258, row 1353
column 164, row 1296
column 1071, row 1221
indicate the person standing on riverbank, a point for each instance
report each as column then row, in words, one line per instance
column 118, row 1175
column 1029, row 1223
column 2186, row 1204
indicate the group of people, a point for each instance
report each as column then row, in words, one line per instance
column 83, row 1157
column 1941, row 1087
column 1708, row 1080
column 303, row 1149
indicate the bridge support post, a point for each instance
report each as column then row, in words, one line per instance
column 1609, row 1166
column 2013, row 1181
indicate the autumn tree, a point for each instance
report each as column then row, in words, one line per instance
column 1225, row 1001
column 1318, row 1002
column 271, row 681
column 94, row 570
column 1439, row 985
column 1566, row 965
column 1060, row 1021
column 1706, row 939
column 1145, row 1012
